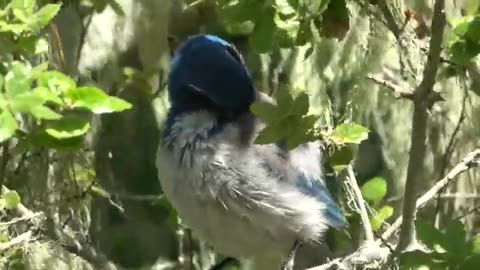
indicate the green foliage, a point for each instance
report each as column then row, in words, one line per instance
column 464, row 45
column 289, row 121
column 446, row 250
column 49, row 97
column 283, row 23
column 10, row 200
column 374, row 190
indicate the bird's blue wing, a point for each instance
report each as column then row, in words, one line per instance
column 306, row 159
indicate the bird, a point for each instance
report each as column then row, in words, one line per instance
column 254, row 202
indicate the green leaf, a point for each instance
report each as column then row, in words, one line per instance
column 286, row 32
column 8, row 125
column 26, row 6
column 271, row 134
column 418, row 259
column 301, row 104
column 47, row 95
column 302, row 131
column 470, row 263
column 284, row 7
column 65, row 144
column 56, row 81
column 456, row 237
column 265, row 111
column 25, row 102
column 112, row 104
column 43, row 112
column 374, row 190
column 44, row 16
column 284, row 100
column 463, row 51
column 261, row 40
column 342, row 157
column 96, row 100
column 475, row 243
column 11, row 199
column 430, row 235
column 473, row 31
column 17, row 79
column 379, row 218
column 460, row 25
column 68, row 127
column 350, row 133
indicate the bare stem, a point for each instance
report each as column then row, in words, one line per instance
column 367, row 227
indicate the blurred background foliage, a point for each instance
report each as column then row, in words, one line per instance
column 77, row 162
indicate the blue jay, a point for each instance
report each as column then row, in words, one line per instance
column 249, row 201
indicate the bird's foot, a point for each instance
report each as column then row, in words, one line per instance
column 288, row 264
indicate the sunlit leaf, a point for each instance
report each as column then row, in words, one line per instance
column 48, row 95
column 65, row 144
column 379, row 218
column 56, row 81
column 42, row 17
column 96, row 100
column 25, row 102
column 374, row 190
column 17, row 79
column 350, row 133
column 68, row 127
column 26, row 6
column 476, row 244
column 43, row 112
column 8, row 125
column 11, row 199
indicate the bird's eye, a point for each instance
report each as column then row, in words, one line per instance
column 234, row 53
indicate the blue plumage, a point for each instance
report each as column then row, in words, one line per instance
column 247, row 200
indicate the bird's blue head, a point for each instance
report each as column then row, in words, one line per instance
column 208, row 73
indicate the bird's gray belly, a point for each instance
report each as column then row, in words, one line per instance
column 224, row 229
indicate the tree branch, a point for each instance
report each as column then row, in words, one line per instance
column 373, row 253
column 419, row 128
column 398, row 91
column 471, row 160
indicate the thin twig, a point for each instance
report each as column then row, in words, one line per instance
column 367, row 227
column 398, row 91
column 471, row 160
